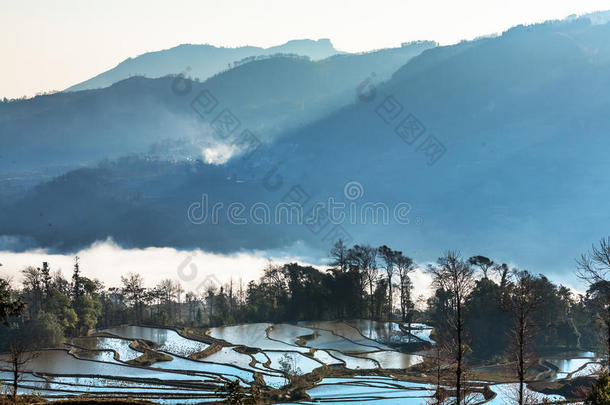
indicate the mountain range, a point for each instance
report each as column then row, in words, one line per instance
column 497, row 146
column 270, row 95
column 200, row 61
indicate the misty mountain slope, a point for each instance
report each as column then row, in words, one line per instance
column 77, row 128
column 523, row 120
column 139, row 202
column 293, row 91
column 202, row 61
column 267, row 96
column 501, row 90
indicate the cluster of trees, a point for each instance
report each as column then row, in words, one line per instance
column 481, row 310
column 361, row 282
column 48, row 307
column 22, row 98
column 485, row 311
column 263, row 57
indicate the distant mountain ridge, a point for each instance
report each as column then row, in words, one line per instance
column 202, row 61
column 268, row 96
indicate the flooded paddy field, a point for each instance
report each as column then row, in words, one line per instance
column 353, row 362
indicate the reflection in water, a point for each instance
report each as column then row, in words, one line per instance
column 301, row 363
column 60, row 362
column 104, row 355
column 166, row 339
column 252, row 335
column 395, row 360
column 568, row 365
column 183, row 380
column 507, row 394
column 391, row 332
column 376, row 390
column 327, row 340
column 355, row 363
column 121, row 346
column 347, row 331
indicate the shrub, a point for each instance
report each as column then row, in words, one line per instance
column 600, row 394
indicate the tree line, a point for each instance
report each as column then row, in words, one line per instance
column 481, row 310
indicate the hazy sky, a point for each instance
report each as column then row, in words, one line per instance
column 194, row 269
column 50, row 45
column 107, row 261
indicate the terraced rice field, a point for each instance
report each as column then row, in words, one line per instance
column 365, row 352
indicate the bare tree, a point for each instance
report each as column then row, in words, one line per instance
column 389, row 258
column 364, row 258
column 231, row 297
column 405, row 266
column 594, row 268
column 179, row 291
column 241, row 294
column 523, row 303
column 440, row 369
column 209, row 298
column 191, row 302
column 19, row 357
column 339, row 255
column 12, row 307
column 134, row 292
column 289, row 366
column 168, row 292
column 455, row 276
column 153, row 297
